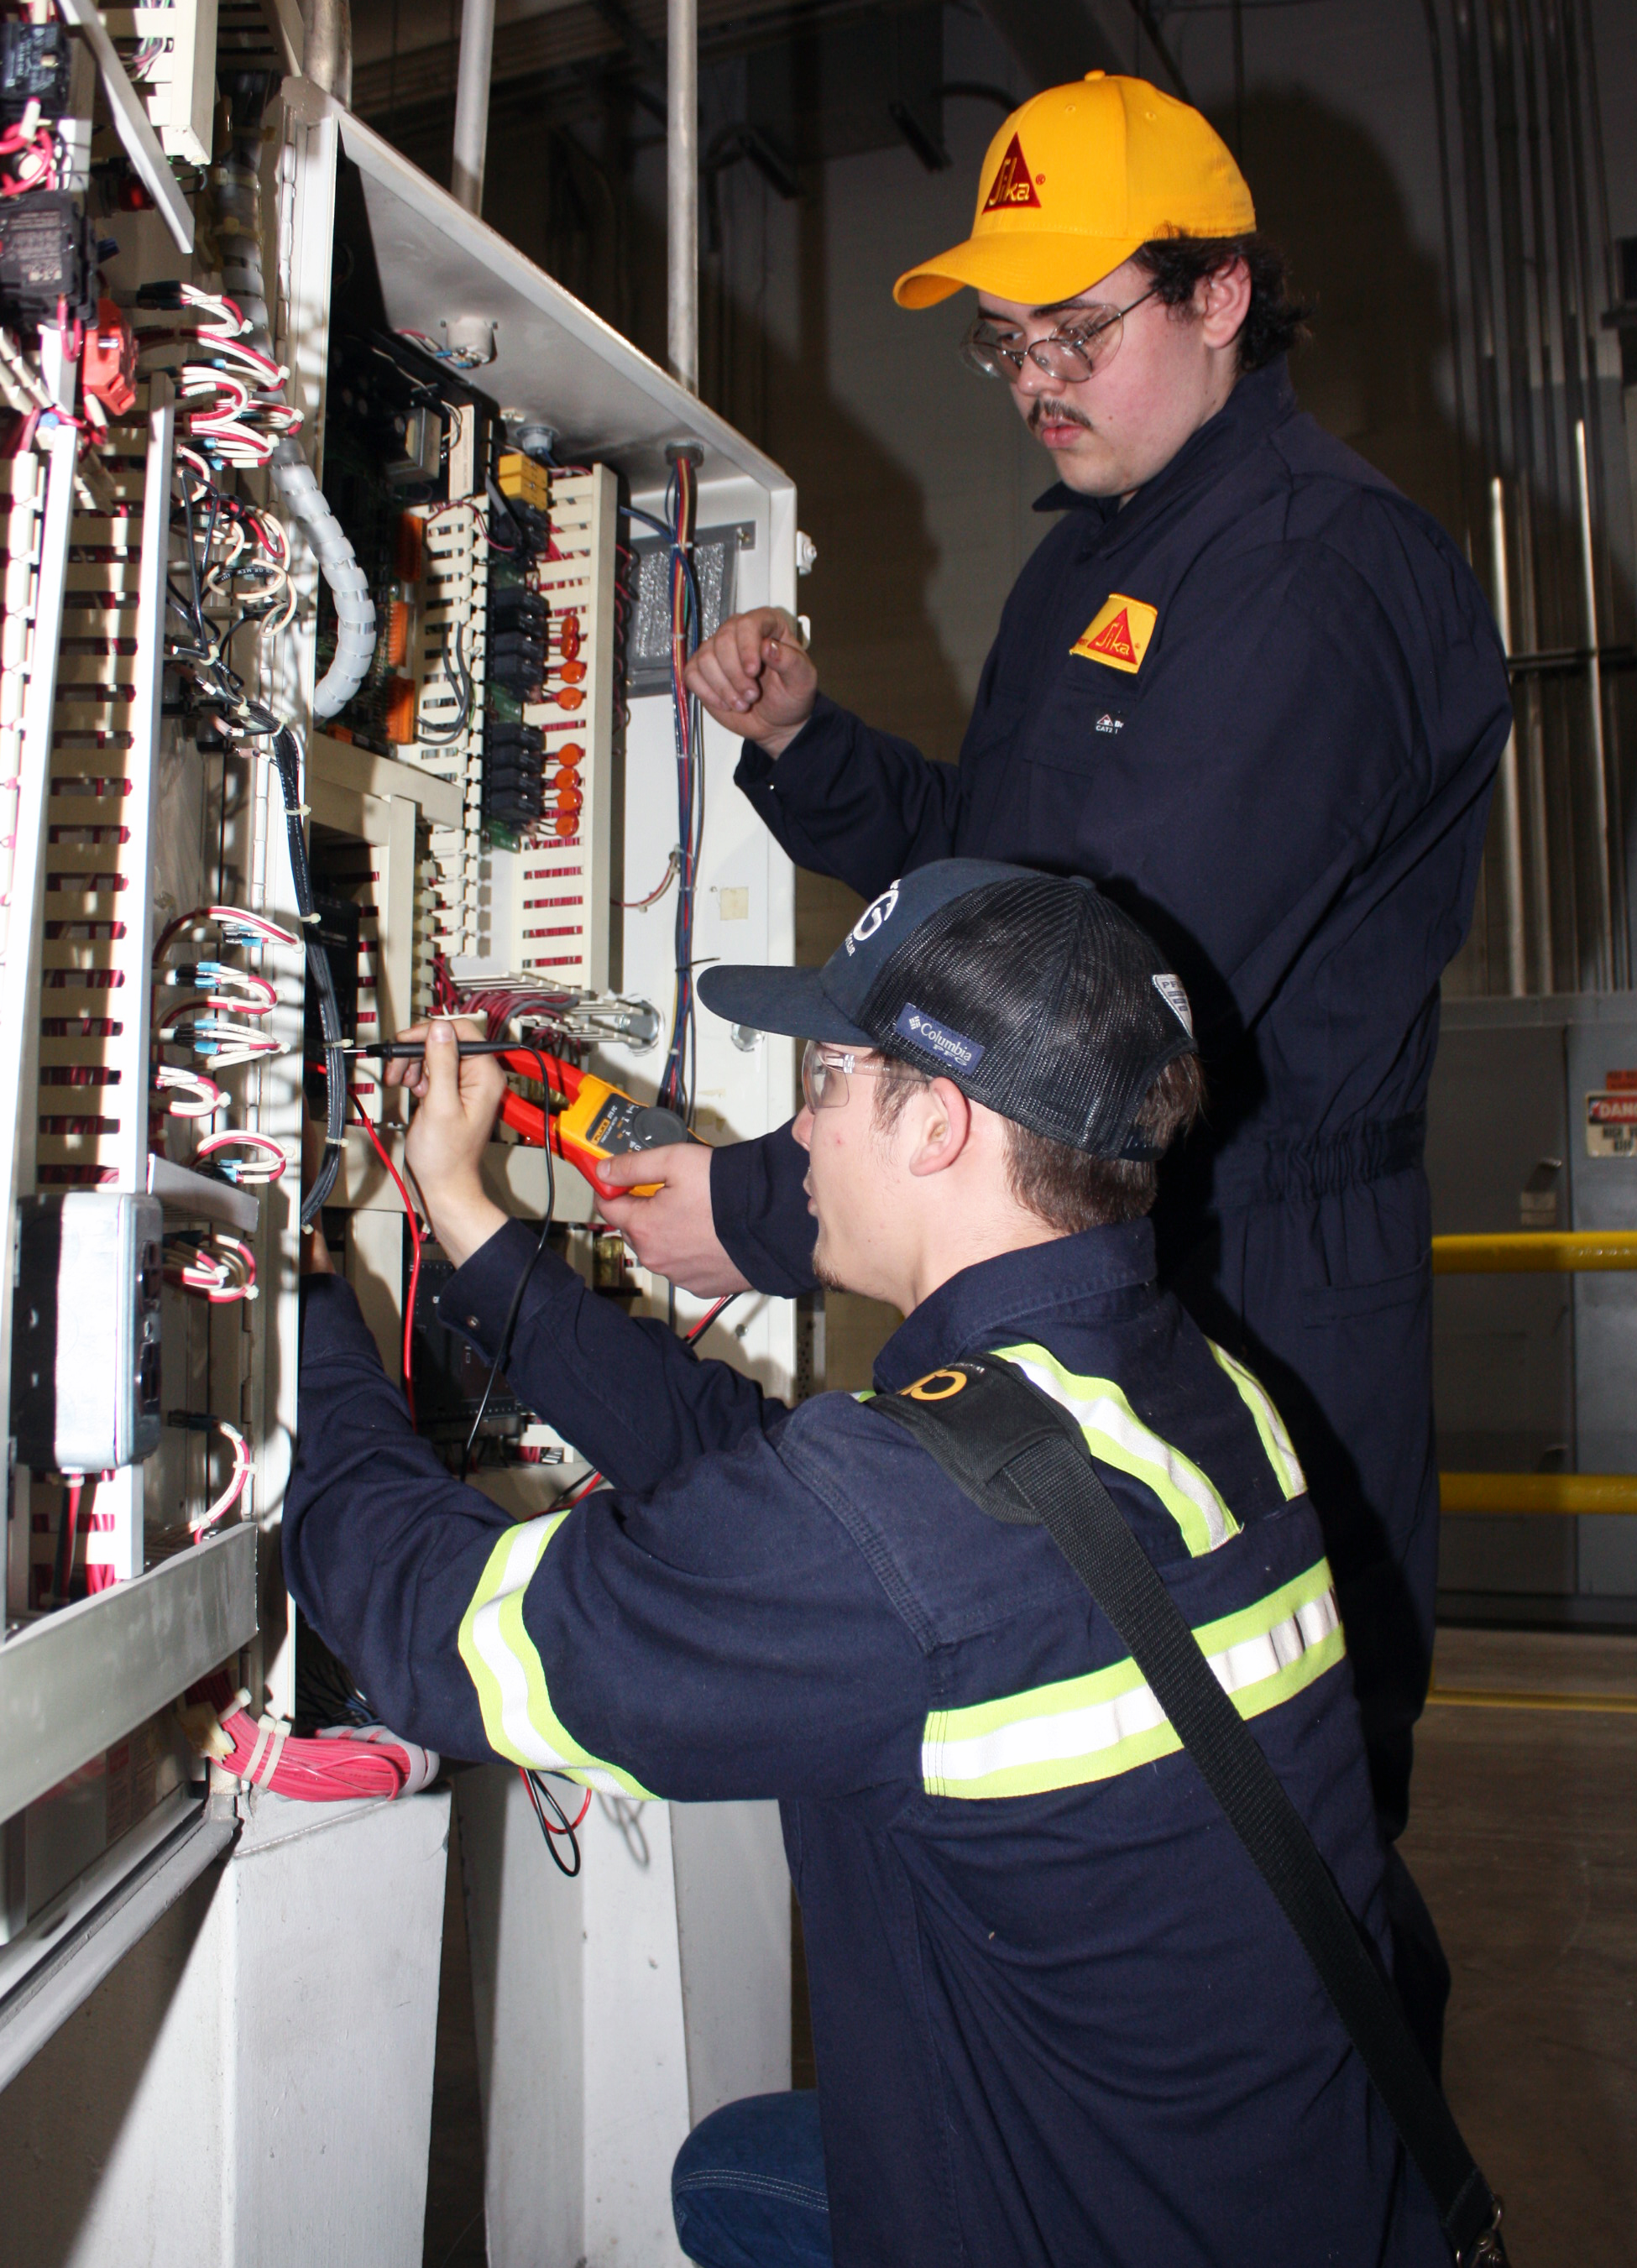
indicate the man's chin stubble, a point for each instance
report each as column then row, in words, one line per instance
column 825, row 1274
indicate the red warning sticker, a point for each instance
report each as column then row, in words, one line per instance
column 1611, row 1125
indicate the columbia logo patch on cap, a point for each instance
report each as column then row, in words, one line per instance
column 952, row 1047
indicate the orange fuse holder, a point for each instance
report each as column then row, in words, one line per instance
column 597, row 1119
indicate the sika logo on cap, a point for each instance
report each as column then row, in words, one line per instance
column 1118, row 636
column 1012, row 188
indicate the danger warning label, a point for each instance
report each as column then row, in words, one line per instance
column 1611, row 1125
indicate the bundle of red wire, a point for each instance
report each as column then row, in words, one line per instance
column 341, row 1764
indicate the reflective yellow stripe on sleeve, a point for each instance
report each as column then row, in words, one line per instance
column 1117, row 1436
column 506, row 1669
column 1269, row 1425
column 1085, row 1729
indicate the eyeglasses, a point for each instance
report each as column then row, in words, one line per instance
column 1087, row 342
column 824, row 1076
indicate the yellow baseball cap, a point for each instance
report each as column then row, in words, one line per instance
column 1074, row 181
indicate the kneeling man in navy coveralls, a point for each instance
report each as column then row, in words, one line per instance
column 1060, row 2020
column 1256, row 695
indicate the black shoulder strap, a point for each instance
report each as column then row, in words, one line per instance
column 1021, row 1458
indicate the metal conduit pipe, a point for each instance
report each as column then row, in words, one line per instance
column 471, row 102
column 1595, row 257
column 1541, row 591
column 682, row 190
column 1475, row 199
column 327, row 56
column 1511, row 804
column 1452, row 294
column 1518, row 596
column 1610, row 971
column 1579, row 347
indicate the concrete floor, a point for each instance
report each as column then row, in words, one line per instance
column 1524, row 1840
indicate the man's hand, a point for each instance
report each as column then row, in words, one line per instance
column 671, row 1233
column 458, row 1098
column 756, row 677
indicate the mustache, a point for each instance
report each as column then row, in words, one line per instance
column 1042, row 412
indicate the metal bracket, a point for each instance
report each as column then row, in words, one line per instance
column 131, row 120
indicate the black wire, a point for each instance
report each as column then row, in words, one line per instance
column 515, row 1309
column 534, row 1782
column 286, row 764
column 200, row 631
column 63, row 1572
column 460, row 678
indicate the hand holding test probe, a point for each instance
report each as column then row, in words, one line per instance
column 597, row 1123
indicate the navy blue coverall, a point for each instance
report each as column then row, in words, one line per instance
column 1060, row 2021
column 1289, row 790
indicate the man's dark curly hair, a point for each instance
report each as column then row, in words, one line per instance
column 1275, row 320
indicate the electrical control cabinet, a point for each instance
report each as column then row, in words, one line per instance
column 319, row 711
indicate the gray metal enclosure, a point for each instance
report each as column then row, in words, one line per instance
column 1534, row 1373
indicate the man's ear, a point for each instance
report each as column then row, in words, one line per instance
column 1224, row 301
column 938, row 1122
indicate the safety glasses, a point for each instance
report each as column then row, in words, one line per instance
column 825, row 1071
column 1087, row 341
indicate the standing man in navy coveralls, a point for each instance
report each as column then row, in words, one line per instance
column 1257, row 696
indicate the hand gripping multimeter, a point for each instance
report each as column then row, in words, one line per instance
column 597, row 1121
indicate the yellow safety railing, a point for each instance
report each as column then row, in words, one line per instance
column 1521, row 1697
column 1494, row 1697
column 1568, row 1493
column 1527, row 1252
column 1548, row 1250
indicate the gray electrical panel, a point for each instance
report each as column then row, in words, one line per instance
column 1532, row 1124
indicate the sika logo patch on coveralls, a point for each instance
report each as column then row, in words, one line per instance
column 1118, row 636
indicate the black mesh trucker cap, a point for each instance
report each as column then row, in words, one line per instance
column 1033, row 992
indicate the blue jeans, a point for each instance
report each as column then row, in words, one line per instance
column 748, row 2187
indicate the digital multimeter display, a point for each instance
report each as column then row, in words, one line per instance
column 621, row 1124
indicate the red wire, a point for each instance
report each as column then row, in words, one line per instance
column 545, row 1822
column 415, row 1255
